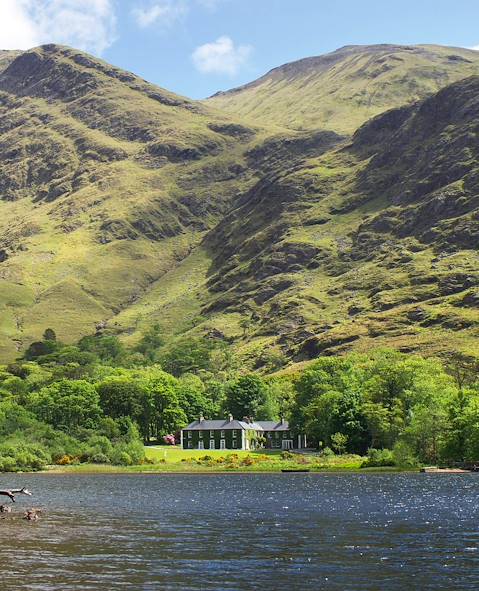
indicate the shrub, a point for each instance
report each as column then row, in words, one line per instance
column 64, row 460
column 121, row 458
column 404, row 456
column 327, row 452
column 378, row 458
column 99, row 458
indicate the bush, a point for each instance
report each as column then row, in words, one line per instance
column 121, row 458
column 22, row 456
column 378, row 458
column 99, row 458
column 287, row 455
column 404, row 456
column 326, row 452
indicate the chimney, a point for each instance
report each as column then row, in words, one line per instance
column 230, row 418
column 283, row 421
column 202, row 418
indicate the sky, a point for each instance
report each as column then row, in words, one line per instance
column 197, row 47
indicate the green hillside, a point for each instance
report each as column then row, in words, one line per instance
column 124, row 205
column 373, row 243
column 106, row 182
column 343, row 89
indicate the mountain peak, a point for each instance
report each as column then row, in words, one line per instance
column 342, row 89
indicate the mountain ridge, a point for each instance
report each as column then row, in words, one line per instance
column 374, row 77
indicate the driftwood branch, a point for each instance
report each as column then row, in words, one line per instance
column 17, row 491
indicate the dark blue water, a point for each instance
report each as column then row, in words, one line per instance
column 243, row 531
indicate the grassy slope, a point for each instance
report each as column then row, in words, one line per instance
column 375, row 242
column 119, row 184
column 343, row 89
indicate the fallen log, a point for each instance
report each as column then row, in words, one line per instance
column 15, row 491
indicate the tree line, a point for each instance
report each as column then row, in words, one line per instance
column 100, row 401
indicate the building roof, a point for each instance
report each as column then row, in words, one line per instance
column 225, row 424
column 274, row 425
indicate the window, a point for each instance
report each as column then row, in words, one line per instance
column 201, row 445
column 222, row 444
column 212, row 433
column 222, row 434
column 234, row 433
column 276, row 435
column 235, row 442
column 189, row 434
column 190, row 445
column 212, row 444
column 200, row 434
column 285, row 435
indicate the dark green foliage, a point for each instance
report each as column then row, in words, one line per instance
column 247, row 397
column 388, row 400
column 378, row 458
column 187, row 355
column 67, row 405
column 49, row 335
column 151, row 342
column 107, row 348
column 39, row 349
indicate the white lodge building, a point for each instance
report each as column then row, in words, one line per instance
column 233, row 434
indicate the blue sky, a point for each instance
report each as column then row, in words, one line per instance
column 196, row 47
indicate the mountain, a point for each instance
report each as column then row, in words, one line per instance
column 106, row 182
column 123, row 204
column 370, row 243
column 343, row 89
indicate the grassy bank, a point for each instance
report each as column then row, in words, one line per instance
column 172, row 459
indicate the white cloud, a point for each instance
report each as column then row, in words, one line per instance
column 476, row 47
column 163, row 13
column 85, row 24
column 221, row 56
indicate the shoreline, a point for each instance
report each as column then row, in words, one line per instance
column 91, row 469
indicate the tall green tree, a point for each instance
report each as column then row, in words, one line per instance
column 67, row 405
column 246, row 397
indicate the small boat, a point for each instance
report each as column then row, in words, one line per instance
column 295, row 470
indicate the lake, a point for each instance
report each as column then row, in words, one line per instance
column 243, row 531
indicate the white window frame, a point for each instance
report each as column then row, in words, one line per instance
column 234, row 434
column 212, row 444
column 212, row 433
column 200, row 434
column 190, row 445
column 235, row 444
column 201, row 445
column 222, row 444
column 222, row 434
column 189, row 434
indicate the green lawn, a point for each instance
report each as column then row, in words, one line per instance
column 175, row 459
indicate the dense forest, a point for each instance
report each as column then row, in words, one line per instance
column 100, row 402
